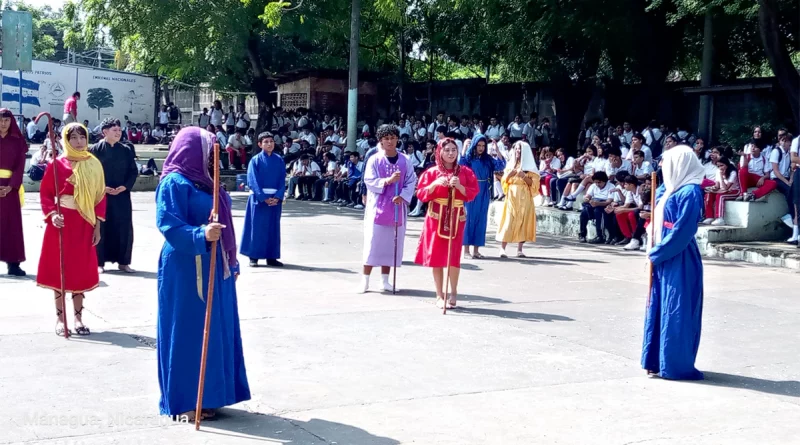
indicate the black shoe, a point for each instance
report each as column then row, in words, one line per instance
column 16, row 271
column 597, row 240
column 274, row 263
column 253, row 263
column 610, row 241
column 581, row 239
column 623, row 242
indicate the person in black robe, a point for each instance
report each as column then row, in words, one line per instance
column 119, row 167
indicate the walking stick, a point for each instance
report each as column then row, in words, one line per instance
column 396, row 221
column 449, row 247
column 210, row 296
column 652, row 238
column 54, row 154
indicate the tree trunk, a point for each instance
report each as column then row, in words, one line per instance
column 401, row 75
column 778, row 56
column 261, row 86
column 571, row 100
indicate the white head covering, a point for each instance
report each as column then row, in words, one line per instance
column 680, row 167
column 528, row 163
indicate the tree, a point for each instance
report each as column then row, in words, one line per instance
column 99, row 98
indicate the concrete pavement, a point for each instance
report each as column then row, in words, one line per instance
column 544, row 351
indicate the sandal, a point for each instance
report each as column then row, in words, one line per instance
column 440, row 303
column 81, row 330
column 521, row 255
column 478, row 256
column 451, row 304
column 60, row 331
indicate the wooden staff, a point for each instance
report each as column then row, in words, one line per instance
column 449, row 247
column 210, row 296
column 396, row 228
column 652, row 238
column 54, row 155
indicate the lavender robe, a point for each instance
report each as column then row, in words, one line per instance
column 379, row 212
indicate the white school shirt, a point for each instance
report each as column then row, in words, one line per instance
column 784, row 163
column 203, row 121
column 494, row 132
column 405, row 129
column 530, row 132
column 758, row 166
column 243, row 121
column 600, row 164
column 631, row 198
column 567, row 167
column 310, row 138
column 418, row 159
column 215, row 117
column 625, row 166
column 625, row 150
column 795, row 145
column 163, row 117
column 732, row 180
column 331, row 167
column 628, row 136
column 711, row 170
column 601, row 194
column 312, row 169
column 464, row 130
column 515, row 130
column 229, row 120
column 645, row 169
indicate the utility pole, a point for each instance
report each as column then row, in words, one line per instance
column 352, row 92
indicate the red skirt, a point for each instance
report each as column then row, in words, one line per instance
column 80, row 257
column 433, row 242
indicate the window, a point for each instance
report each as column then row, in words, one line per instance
column 291, row 101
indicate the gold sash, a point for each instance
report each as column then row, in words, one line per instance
column 437, row 207
column 6, row 174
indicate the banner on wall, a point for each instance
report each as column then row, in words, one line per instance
column 104, row 93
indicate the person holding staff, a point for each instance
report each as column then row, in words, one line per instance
column 184, row 202
column 12, row 167
column 389, row 180
column 444, row 226
column 82, row 199
column 675, row 307
column 520, row 185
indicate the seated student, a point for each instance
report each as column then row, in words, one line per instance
column 598, row 196
column 305, row 174
column 348, row 191
column 627, row 215
column 781, row 165
column 323, row 187
column 641, row 168
column 754, row 171
column 563, row 173
column 237, row 149
column 618, row 180
column 726, row 187
column 588, row 165
column 548, row 166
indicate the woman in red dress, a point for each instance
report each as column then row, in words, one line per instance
column 81, row 187
column 444, row 225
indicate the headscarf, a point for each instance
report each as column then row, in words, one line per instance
column 680, row 167
column 472, row 152
column 440, row 164
column 87, row 176
column 13, row 130
column 189, row 156
column 527, row 163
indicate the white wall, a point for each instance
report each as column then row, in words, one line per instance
column 133, row 94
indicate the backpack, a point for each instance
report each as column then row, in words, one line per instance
column 36, row 173
column 656, row 147
column 174, row 113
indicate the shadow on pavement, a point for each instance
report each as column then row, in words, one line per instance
column 117, row 339
column 542, row 260
column 233, row 422
column 528, row 316
column 137, row 274
column 789, row 388
column 432, row 295
column 312, row 268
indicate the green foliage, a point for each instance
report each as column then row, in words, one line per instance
column 738, row 131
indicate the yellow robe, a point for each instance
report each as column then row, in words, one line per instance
column 518, row 221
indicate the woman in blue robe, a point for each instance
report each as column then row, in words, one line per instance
column 478, row 159
column 183, row 206
column 675, row 307
column 266, row 177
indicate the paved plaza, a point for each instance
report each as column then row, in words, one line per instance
column 543, row 351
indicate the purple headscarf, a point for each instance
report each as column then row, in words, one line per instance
column 189, row 156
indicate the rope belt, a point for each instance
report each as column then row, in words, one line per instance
column 6, row 174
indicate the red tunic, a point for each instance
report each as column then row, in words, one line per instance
column 80, row 257
column 12, row 159
column 432, row 248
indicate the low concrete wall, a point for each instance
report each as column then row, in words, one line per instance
column 755, row 255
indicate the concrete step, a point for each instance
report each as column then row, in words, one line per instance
column 775, row 254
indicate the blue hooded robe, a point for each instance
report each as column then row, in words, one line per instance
column 182, row 211
column 673, row 319
column 478, row 209
column 261, row 237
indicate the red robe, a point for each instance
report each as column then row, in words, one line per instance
column 12, row 158
column 432, row 248
column 80, row 257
